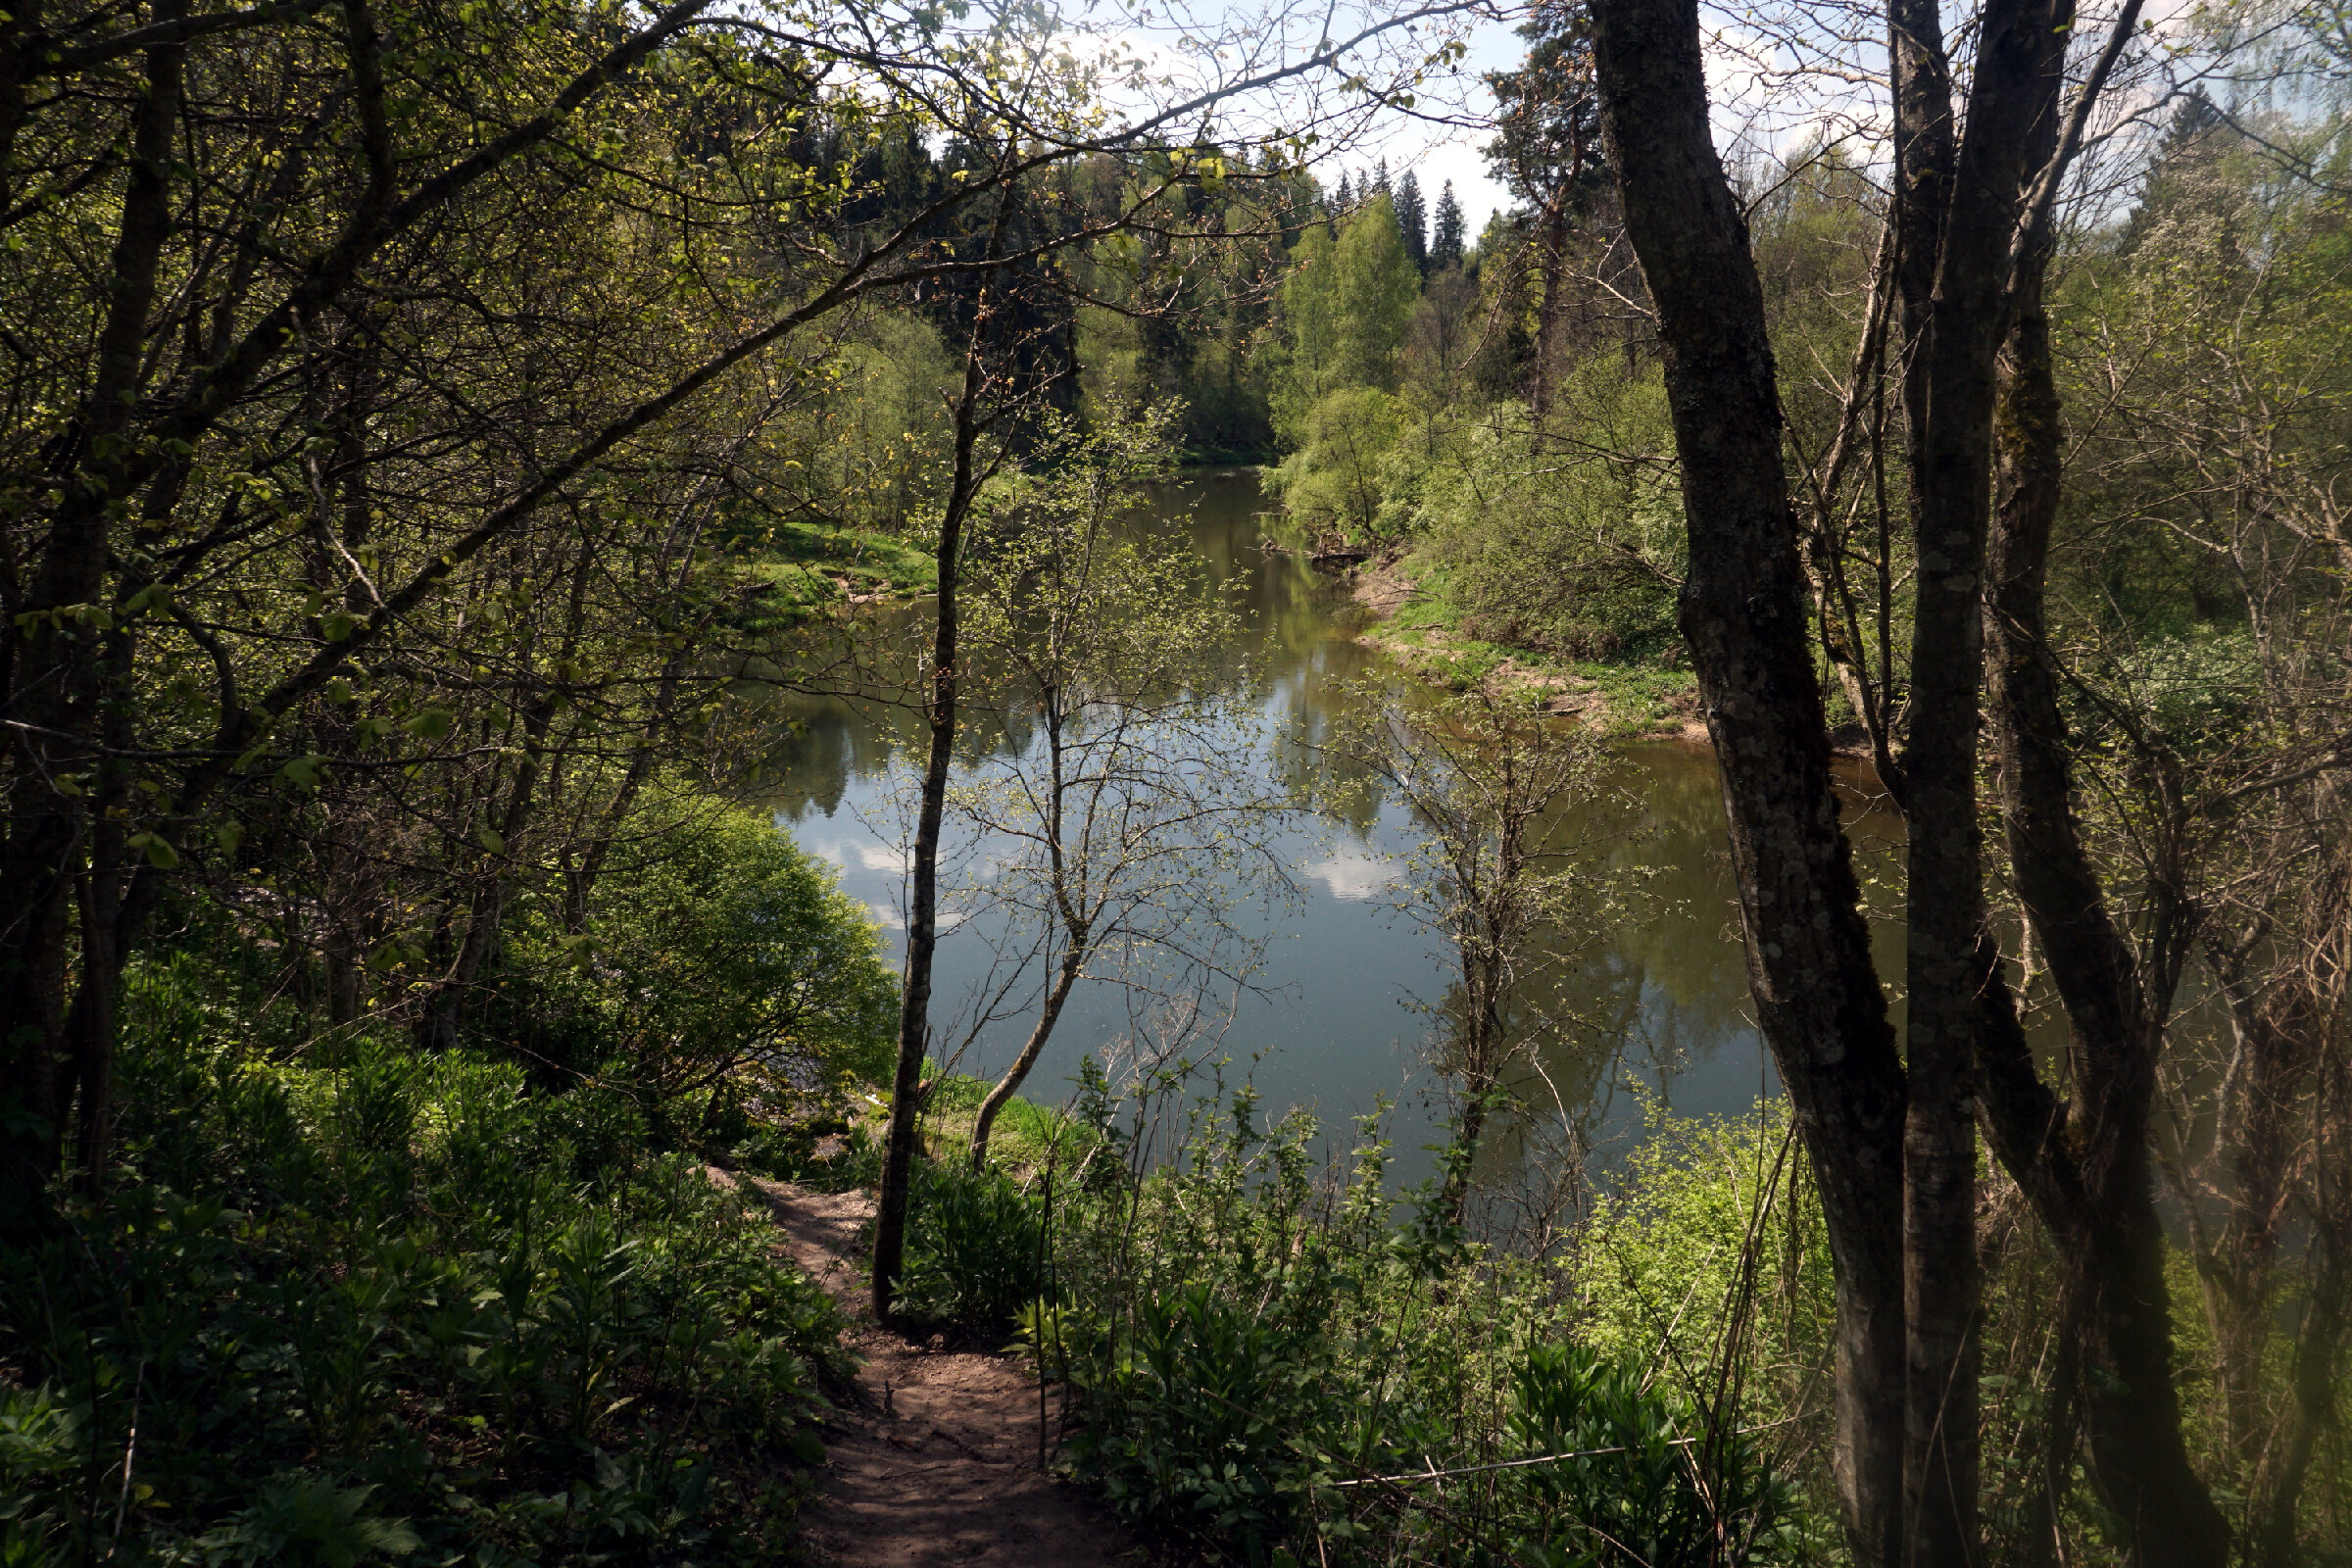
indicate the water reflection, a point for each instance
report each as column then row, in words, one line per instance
column 1352, row 989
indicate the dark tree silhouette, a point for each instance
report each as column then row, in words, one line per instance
column 1412, row 217
column 1446, row 241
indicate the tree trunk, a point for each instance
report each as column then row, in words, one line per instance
column 56, row 676
column 923, row 909
column 2327, row 1314
column 2085, row 1163
column 2277, row 1050
column 1742, row 612
column 2013, row 103
column 1073, row 965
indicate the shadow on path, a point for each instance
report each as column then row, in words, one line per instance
column 936, row 1460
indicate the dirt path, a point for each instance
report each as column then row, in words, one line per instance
column 936, row 1461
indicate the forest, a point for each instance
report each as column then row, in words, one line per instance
column 491, row 494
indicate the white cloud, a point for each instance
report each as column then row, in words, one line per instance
column 1352, row 875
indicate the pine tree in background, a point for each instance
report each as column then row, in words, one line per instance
column 1343, row 198
column 1412, row 217
column 1379, row 183
column 1445, row 240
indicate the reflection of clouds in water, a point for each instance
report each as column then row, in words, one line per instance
column 891, row 920
column 1664, row 1004
column 1352, row 875
column 862, row 854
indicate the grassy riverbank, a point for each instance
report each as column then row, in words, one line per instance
column 1414, row 614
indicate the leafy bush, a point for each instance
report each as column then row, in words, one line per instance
column 396, row 1309
column 1648, row 1483
column 1337, row 480
column 974, row 1247
column 1661, row 1262
column 1269, row 1363
column 1200, row 1421
column 718, row 962
column 1575, row 553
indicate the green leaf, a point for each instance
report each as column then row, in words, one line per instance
column 158, row 850
column 431, row 725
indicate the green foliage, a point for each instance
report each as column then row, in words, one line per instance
column 1268, row 1359
column 1198, row 1424
column 717, row 958
column 1346, row 307
column 1027, row 1136
column 1707, row 1215
column 395, row 1310
column 1648, row 1483
column 1575, row 554
column 1337, row 480
column 1559, row 537
column 974, row 1247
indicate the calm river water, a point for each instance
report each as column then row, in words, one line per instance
column 1342, row 1023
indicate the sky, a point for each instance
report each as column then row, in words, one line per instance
column 1442, row 139
column 1438, row 153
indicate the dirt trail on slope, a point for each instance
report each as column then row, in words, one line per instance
column 936, row 1459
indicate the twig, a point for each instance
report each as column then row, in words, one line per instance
column 1508, row 1464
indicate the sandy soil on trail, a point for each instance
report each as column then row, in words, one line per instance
column 936, row 1459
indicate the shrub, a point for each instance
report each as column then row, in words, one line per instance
column 719, row 960
column 1573, row 553
column 974, row 1247
column 1337, row 480
column 1270, row 1363
column 1648, row 1483
column 394, row 1308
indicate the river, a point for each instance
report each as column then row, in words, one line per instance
column 1338, row 1022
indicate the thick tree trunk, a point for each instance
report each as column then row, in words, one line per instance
column 2013, row 111
column 1927, row 145
column 1742, row 611
column 2261, row 1115
column 54, row 697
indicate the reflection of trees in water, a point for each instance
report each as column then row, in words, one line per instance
column 1665, row 998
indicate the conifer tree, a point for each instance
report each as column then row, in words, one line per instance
column 1412, row 217
column 1343, row 198
column 1446, row 239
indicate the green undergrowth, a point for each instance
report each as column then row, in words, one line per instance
column 1023, row 1139
column 800, row 569
column 975, row 1241
column 1275, row 1360
column 396, row 1309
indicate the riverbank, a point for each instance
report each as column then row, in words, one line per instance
column 1410, row 617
